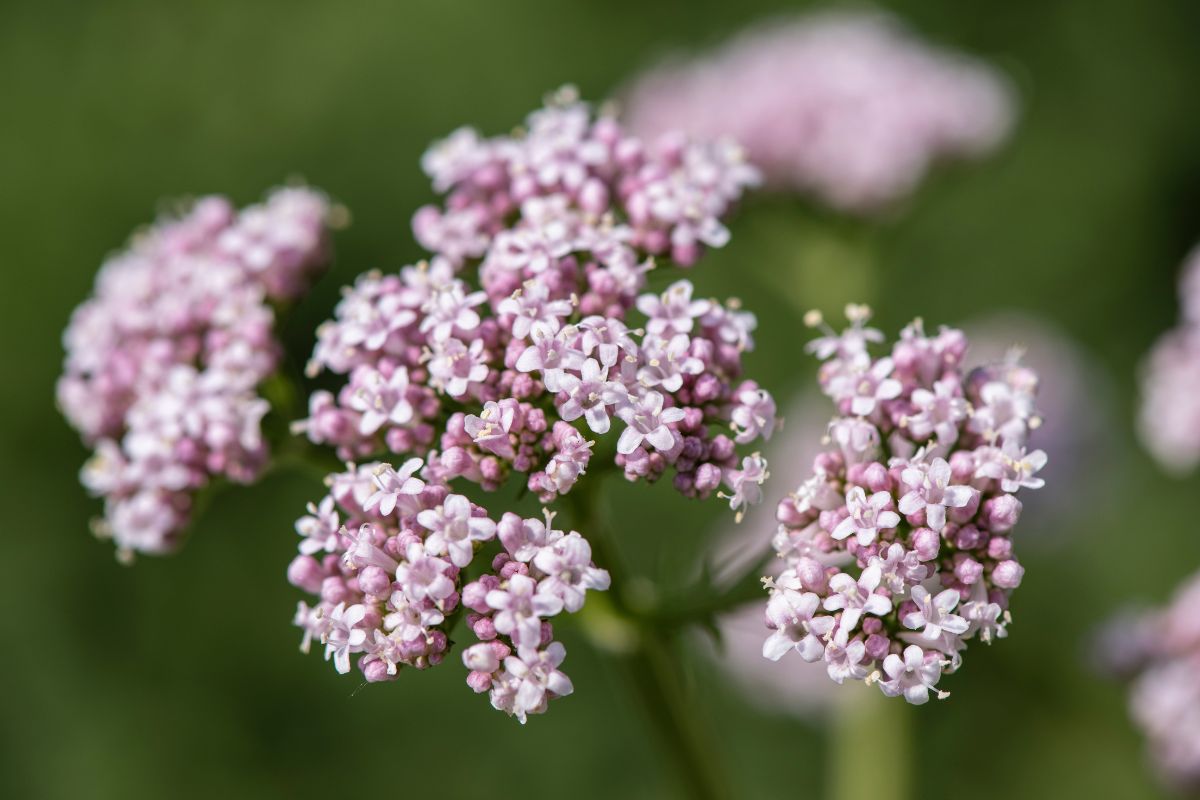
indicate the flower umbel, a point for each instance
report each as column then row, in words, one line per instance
column 164, row 362
column 849, row 107
column 1170, row 415
column 1159, row 651
column 901, row 534
column 527, row 346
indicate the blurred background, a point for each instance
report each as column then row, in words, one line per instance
column 181, row 677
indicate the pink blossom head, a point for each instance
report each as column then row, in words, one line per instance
column 527, row 345
column 894, row 551
column 164, row 361
column 849, row 107
column 1158, row 651
column 1169, row 420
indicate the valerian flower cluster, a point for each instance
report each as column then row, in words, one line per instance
column 527, row 338
column 1170, row 414
column 163, row 363
column 1159, row 651
column 849, row 107
column 386, row 553
column 896, row 550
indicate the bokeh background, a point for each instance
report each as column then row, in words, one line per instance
column 180, row 677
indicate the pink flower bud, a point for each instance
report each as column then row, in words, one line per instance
column 334, row 590
column 376, row 671
column 1001, row 513
column 876, row 477
column 708, row 478
column 479, row 681
column 812, row 575
column 927, row 543
column 877, row 646
column 373, row 580
column 1008, row 574
column 999, row 548
column 968, row 537
column 967, row 569
column 305, row 573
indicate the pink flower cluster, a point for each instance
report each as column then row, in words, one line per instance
column 387, row 554
column 516, row 343
column 896, row 550
column 1160, row 651
column 163, row 362
column 848, row 107
column 1170, row 414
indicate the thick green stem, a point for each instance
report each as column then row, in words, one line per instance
column 653, row 670
column 858, row 770
column 651, row 664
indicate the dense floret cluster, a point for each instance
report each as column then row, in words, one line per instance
column 163, row 363
column 527, row 338
column 387, row 554
column 848, row 107
column 1170, row 415
column 1159, row 651
column 896, row 550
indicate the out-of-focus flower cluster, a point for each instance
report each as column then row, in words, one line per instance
column 530, row 331
column 164, row 361
column 1075, row 397
column 1170, row 414
column 1159, row 651
column 849, row 107
column 896, row 550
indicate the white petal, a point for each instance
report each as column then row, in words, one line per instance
column 777, row 645
column 629, row 441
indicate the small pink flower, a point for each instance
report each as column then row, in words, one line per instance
column 456, row 367
column 914, row 675
column 647, row 421
column 569, row 571
column 343, row 637
column 930, row 491
column 454, row 529
column 589, row 395
column 521, row 606
column 395, row 488
column 856, row 597
column 674, row 311
column 933, row 613
column 381, row 400
column 535, row 677
column 867, row 516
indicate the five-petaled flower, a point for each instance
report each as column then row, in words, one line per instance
column 868, row 515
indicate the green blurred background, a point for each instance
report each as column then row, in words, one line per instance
column 180, row 677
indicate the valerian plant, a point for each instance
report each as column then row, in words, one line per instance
column 552, row 335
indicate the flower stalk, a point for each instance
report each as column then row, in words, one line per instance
column 862, row 715
column 651, row 665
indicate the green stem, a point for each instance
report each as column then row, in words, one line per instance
column 651, row 664
column 653, row 669
column 862, row 714
column 700, row 604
